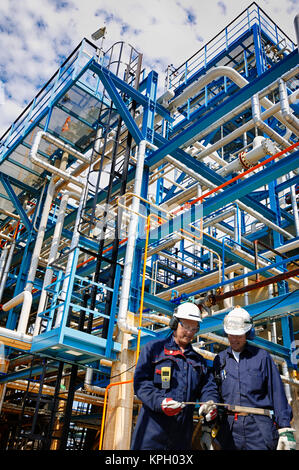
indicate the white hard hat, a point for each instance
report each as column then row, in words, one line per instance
column 188, row 311
column 237, row 322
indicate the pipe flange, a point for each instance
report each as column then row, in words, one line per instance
column 244, row 161
column 269, row 147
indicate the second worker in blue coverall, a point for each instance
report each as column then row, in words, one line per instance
column 164, row 422
column 248, row 377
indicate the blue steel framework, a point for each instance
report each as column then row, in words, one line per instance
column 185, row 261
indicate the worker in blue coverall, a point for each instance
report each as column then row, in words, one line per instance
column 170, row 372
column 247, row 376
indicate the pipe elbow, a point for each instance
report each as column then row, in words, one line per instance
column 125, row 328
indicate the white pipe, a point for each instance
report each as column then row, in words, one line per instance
column 240, row 130
column 6, row 270
column 65, row 147
column 70, row 260
column 52, row 256
column 132, row 236
column 242, row 206
column 285, row 108
column 295, row 208
column 3, row 257
column 17, row 335
column 234, row 76
column 6, row 237
column 47, row 166
column 26, row 296
column 263, row 219
column 40, row 235
column 88, row 384
column 246, row 160
column 10, row 214
column 257, row 119
column 213, row 74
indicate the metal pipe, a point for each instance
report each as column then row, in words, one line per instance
column 47, row 166
column 52, row 256
column 6, row 269
column 5, row 237
column 132, row 236
column 295, row 208
column 256, row 114
column 3, row 257
column 25, row 297
column 246, row 160
column 65, row 147
column 10, row 214
column 74, row 245
column 285, row 108
column 273, row 110
column 234, row 76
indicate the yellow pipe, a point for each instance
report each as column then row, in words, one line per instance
column 139, row 331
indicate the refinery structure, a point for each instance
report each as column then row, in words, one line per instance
column 119, row 202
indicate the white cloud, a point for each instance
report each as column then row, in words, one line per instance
column 36, row 35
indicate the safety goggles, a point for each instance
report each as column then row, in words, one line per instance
column 188, row 328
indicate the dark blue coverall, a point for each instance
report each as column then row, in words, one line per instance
column 253, row 382
column 190, row 379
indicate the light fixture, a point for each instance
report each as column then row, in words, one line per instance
column 99, row 33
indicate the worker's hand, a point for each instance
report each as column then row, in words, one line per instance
column 286, row 439
column 209, row 410
column 171, row 407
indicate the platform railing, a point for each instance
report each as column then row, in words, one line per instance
column 222, row 41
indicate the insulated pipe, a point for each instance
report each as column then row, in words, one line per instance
column 65, row 147
column 246, row 160
column 15, row 335
column 52, row 256
column 210, row 76
column 132, row 236
column 263, row 219
column 6, row 237
column 295, row 208
column 10, row 214
column 273, row 110
column 40, row 236
column 256, row 114
column 26, row 296
column 47, row 166
column 242, row 206
column 285, row 108
column 6, row 269
column 70, row 261
column 88, row 384
column 3, row 260
column 234, row 76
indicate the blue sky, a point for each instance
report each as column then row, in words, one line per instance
column 36, row 35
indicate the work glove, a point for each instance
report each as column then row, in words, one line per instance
column 286, row 439
column 171, row 407
column 209, row 410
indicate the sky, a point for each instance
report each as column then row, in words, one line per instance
column 37, row 35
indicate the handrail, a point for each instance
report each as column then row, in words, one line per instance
column 253, row 14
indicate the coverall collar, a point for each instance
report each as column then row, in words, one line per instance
column 247, row 351
column 172, row 345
